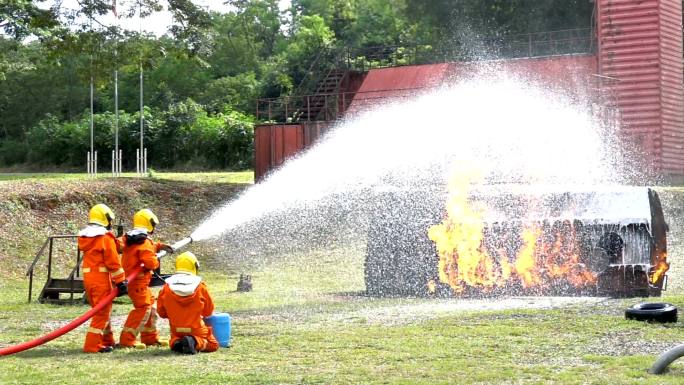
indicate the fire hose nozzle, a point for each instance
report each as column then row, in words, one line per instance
column 176, row 246
column 182, row 243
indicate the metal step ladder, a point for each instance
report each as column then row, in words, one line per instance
column 55, row 287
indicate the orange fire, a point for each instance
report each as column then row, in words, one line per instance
column 660, row 268
column 533, row 255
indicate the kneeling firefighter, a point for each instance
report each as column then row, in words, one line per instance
column 185, row 301
column 101, row 266
column 140, row 249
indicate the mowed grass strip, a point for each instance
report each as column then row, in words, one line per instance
column 205, row 177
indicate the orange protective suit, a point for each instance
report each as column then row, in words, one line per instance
column 185, row 300
column 101, row 266
column 140, row 249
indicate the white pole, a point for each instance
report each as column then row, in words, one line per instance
column 88, row 163
column 142, row 116
column 137, row 161
column 95, row 162
column 142, row 126
column 116, row 111
column 92, row 142
column 92, row 145
column 113, row 163
column 120, row 157
column 145, row 157
column 116, row 90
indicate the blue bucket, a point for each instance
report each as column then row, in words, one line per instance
column 220, row 325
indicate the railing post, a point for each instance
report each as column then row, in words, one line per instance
column 344, row 105
column 75, row 273
column 529, row 45
column 287, row 101
column 30, row 286
column 49, row 266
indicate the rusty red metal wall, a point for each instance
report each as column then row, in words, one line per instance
column 640, row 63
column 275, row 143
column 390, row 83
column 570, row 74
column 574, row 75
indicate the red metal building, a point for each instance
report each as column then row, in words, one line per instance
column 636, row 70
column 640, row 63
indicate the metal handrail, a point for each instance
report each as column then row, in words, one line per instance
column 48, row 244
column 410, row 53
column 348, row 57
column 300, row 107
column 290, row 108
column 38, row 254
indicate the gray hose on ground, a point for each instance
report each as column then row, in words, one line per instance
column 666, row 359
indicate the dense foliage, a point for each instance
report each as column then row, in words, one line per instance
column 203, row 77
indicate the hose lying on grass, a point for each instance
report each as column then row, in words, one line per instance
column 87, row 315
column 666, row 359
column 71, row 325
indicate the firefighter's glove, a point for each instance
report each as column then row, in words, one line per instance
column 167, row 248
column 123, row 288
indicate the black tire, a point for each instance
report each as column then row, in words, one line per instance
column 656, row 312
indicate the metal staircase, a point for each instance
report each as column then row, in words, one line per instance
column 320, row 105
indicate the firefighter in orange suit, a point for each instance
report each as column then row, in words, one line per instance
column 140, row 249
column 185, row 301
column 101, row 266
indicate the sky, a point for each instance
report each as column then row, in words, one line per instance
column 159, row 22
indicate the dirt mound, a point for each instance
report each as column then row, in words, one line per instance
column 32, row 210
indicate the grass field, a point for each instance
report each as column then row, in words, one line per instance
column 312, row 326
column 308, row 322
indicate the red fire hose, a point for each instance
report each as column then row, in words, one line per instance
column 71, row 325
column 87, row 315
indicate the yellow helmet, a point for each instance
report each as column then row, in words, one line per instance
column 145, row 219
column 187, row 263
column 101, row 215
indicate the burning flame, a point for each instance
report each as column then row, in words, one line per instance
column 660, row 268
column 473, row 254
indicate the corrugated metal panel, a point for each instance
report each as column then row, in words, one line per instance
column 274, row 143
column 640, row 51
column 262, row 151
column 672, row 89
column 313, row 131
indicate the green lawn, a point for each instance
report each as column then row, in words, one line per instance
column 306, row 323
column 207, row 177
